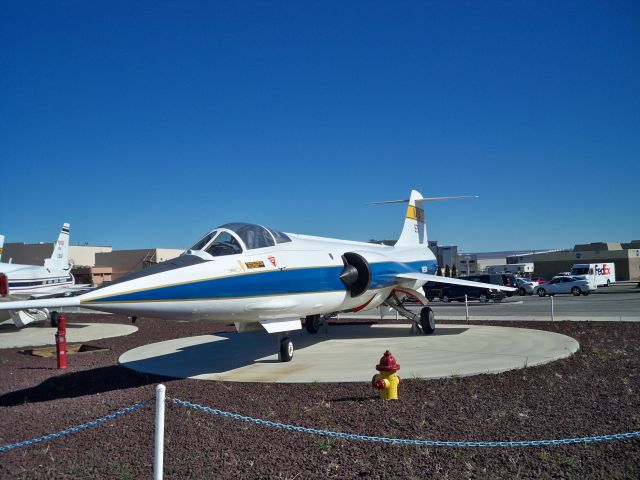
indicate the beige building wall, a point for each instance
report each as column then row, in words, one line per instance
column 85, row 255
column 483, row 263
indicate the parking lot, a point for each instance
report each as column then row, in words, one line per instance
column 619, row 302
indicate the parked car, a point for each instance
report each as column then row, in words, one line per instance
column 525, row 287
column 446, row 292
column 564, row 284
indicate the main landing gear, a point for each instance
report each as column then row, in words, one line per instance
column 312, row 323
column 426, row 321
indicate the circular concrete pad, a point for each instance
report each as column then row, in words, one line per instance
column 349, row 353
column 34, row 335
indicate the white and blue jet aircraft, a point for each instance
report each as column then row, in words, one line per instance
column 256, row 276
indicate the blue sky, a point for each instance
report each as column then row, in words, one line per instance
column 148, row 123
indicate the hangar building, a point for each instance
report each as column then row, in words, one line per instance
column 625, row 256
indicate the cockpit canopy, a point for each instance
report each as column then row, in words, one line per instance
column 233, row 238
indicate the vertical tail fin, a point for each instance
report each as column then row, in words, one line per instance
column 414, row 231
column 60, row 257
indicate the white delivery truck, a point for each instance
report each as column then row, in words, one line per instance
column 598, row 274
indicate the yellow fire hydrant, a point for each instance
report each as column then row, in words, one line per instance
column 387, row 381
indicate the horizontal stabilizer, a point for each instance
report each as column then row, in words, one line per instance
column 423, row 278
column 44, row 303
column 421, row 200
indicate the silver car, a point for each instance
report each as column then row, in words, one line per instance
column 525, row 286
column 564, row 284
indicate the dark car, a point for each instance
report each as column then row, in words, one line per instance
column 446, row 292
column 433, row 290
column 509, row 280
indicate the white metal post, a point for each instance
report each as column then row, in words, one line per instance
column 159, row 453
column 466, row 305
column 552, row 315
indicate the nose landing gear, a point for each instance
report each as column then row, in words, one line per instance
column 285, row 353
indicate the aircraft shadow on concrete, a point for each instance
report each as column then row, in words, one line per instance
column 242, row 350
column 79, row 384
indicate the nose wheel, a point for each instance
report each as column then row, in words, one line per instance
column 286, row 350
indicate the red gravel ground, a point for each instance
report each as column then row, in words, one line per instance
column 596, row 391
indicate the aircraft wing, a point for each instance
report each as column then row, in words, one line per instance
column 422, row 278
column 44, row 303
column 67, row 290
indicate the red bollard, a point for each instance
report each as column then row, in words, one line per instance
column 61, row 342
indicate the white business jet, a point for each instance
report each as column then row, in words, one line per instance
column 34, row 281
column 253, row 275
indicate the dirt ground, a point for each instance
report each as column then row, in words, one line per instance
column 594, row 392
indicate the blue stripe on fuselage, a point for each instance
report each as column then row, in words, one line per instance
column 278, row 282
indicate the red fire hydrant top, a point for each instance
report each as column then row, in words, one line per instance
column 388, row 363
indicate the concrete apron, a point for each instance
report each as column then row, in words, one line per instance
column 349, row 353
column 36, row 335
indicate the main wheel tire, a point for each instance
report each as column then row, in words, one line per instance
column 286, row 349
column 522, row 292
column 312, row 323
column 53, row 319
column 542, row 292
column 427, row 320
column 576, row 291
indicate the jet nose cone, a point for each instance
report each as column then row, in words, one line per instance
column 349, row 275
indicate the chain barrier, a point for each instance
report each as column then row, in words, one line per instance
column 401, row 441
column 77, row 428
column 326, row 433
